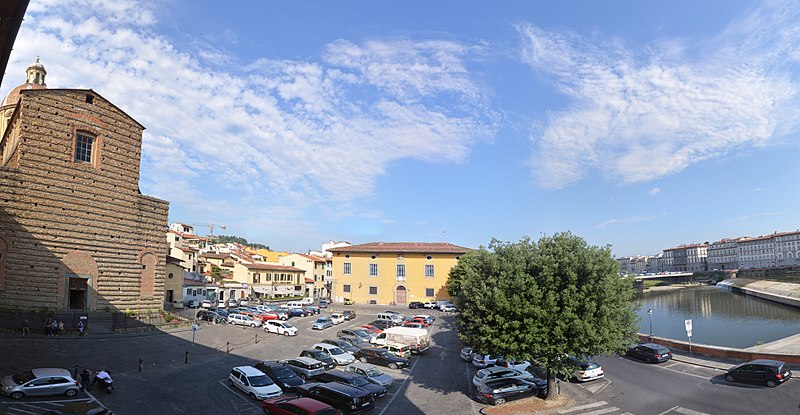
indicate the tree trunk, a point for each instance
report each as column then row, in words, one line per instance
column 552, row 388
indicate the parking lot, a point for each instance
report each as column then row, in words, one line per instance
column 181, row 376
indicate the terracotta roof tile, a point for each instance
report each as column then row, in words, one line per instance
column 405, row 247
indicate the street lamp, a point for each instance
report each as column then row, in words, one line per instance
column 650, row 314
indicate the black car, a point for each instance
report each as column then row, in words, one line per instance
column 346, row 398
column 497, row 392
column 342, row 344
column 415, row 304
column 650, row 352
column 380, row 357
column 352, row 379
column 761, row 371
column 349, row 314
column 210, row 316
column 381, row 324
column 320, row 355
column 281, row 374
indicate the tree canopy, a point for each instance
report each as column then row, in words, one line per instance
column 543, row 300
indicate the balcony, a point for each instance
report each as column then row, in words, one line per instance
column 399, row 278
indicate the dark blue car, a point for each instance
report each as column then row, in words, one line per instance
column 297, row 312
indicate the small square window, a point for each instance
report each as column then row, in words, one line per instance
column 373, row 290
column 346, row 288
column 429, row 292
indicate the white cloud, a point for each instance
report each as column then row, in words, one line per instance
column 635, row 116
column 282, row 134
column 624, row 221
column 654, row 191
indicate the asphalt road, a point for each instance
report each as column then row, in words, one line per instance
column 633, row 387
column 436, row 382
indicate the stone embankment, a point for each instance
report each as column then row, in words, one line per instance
column 780, row 292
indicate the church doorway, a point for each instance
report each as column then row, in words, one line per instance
column 78, row 287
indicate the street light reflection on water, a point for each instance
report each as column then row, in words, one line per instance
column 719, row 317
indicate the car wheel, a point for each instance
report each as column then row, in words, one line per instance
column 286, row 333
column 362, row 359
column 253, row 396
column 230, row 322
column 230, row 382
column 17, row 395
column 71, row 392
column 771, row 384
column 499, row 401
column 392, row 366
column 730, row 378
column 302, row 376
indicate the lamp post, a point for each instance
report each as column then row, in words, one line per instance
column 650, row 314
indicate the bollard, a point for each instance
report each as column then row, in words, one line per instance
column 185, row 357
column 227, row 347
column 256, row 338
column 140, row 365
column 76, row 372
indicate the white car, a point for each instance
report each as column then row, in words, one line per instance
column 280, row 327
column 243, row 320
column 244, row 302
column 586, row 369
column 253, row 382
column 337, row 318
column 206, row 304
column 338, row 355
column 430, row 304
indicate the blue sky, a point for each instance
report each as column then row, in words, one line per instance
column 638, row 125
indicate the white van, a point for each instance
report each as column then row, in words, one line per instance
column 295, row 304
column 307, row 301
column 418, row 339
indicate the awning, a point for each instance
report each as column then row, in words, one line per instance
column 261, row 289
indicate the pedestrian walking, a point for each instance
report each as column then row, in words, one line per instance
column 60, row 328
column 80, row 327
column 25, row 328
column 54, row 328
column 86, row 377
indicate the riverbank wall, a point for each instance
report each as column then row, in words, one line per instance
column 728, row 353
column 780, row 292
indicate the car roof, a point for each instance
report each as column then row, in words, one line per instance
column 309, row 404
column 343, row 388
column 306, row 360
column 50, row 371
column 360, row 365
column 653, row 345
column 249, row 370
column 494, row 369
column 766, row 362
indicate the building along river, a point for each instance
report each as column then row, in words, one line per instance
column 719, row 317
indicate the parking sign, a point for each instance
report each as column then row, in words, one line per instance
column 688, row 324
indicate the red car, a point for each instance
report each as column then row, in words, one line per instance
column 371, row 328
column 266, row 316
column 419, row 320
column 283, row 405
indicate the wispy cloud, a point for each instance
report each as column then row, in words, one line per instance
column 654, row 191
column 750, row 217
column 624, row 221
column 267, row 133
column 636, row 115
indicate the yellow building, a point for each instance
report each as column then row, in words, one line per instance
column 393, row 272
column 269, row 256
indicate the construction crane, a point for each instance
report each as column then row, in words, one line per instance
column 210, row 228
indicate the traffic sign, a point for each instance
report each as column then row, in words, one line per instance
column 688, row 324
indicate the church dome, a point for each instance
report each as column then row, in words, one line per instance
column 35, row 80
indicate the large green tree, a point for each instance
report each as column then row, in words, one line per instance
column 544, row 301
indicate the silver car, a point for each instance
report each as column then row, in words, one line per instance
column 498, row 372
column 372, row 373
column 305, row 367
column 322, row 323
column 39, row 382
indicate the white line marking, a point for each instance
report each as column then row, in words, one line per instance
column 582, row 407
column 604, row 386
column 687, row 411
column 682, row 372
column 224, row 385
column 601, row 411
column 669, row 410
column 23, row 411
column 410, row 369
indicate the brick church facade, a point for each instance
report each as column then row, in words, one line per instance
column 75, row 231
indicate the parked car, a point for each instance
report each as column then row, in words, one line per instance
column 348, row 314
column 210, row 316
column 337, row 318
column 397, row 349
column 39, row 382
column 342, row 344
column 356, row 332
column 320, row 355
column 467, row 353
column 415, row 304
column 233, row 303
column 323, row 303
column 497, row 372
column 346, row 398
column 281, row 374
column 222, row 313
column 381, row 324
column 357, row 342
column 429, row 304
column 586, row 368
column 297, row 406
column 268, row 315
column 762, row 371
column 428, row 318
column 206, row 304
column 352, row 379
column 348, row 301
column 280, row 327
column 370, row 328
column 372, row 373
column 481, row 360
column 244, row 301
column 449, row 308
column 253, row 382
column 192, row 304
column 322, row 323
column 283, row 313
column 243, row 320
column 513, row 364
column 499, row 391
column 650, row 352
column 415, row 325
column 305, row 367
column 311, row 309
column 380, row 357
column 338, row 354
column 419, row 320
column 297, row 312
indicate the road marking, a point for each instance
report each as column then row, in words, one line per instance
column 686, row 411
column 224, row 385
column 601, row 411
column 408, row 376
column 669, row 410
column 23, row 411
column 604, row 386
column 582, row 407
column 682, row 372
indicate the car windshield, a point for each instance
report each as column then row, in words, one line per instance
column 322, row 320
column 373, row 372
column 259, row 380
column 283, row 372
column 589, row 365
column 359, row 381
column 287, row 325
column 23, row 377
column 335, row 350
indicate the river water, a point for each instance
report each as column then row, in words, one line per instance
column 719, row 317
